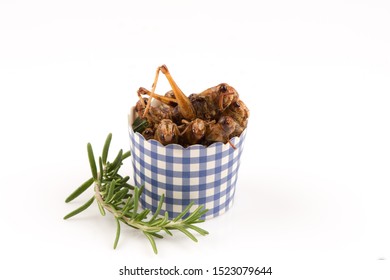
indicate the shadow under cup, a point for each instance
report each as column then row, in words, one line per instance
column 205, row 175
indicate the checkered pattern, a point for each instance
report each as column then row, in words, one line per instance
column 205, row 175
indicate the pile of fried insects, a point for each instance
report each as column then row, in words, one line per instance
column 115, row 195
column 214, row 115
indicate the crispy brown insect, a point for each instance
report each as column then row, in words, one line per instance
column 155, row 113
column 203, row 106
column 214, row 115
column 220, row 131
column 148, row 133
column 167, row 132
column 240, row 113
column 167, row 104
column 192, row 132
column 220, row 96
column 206, row 105
column 169, row 94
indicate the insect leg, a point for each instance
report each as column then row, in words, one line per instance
column 185, row 105
column 167, row 100
column 152, row 92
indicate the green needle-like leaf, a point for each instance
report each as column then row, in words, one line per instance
column 106, row 148
column 101, row 209
column 119, row 195
column 159, row 206
column 127, row 206
column 80, row 209
column 126, row 155
column 101, row 170
column 116, row 161
column 184, row 212
column 118, row 232
column 164, row 220
column 79, row 190
column 139, row 125
column 152, row 242
column 124, row 180
column 198, row 230
column 114, row 172
column 140, row 190
column 167, row 231
column 135, row 209
column 131, row 187
column 92, row 162
column 189, row 234
column 110, row 191
column 194, row 215
column 154, row 234
column 143, row 215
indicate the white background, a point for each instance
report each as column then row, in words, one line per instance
column 312, row 197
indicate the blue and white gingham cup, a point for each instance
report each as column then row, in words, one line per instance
column 205, row 175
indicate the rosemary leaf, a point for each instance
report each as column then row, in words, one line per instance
column 194, row 215
column 117, row 161
column 157, row 235
column 186, row 232
column 100, row 169
column 127, row 206
column 101, row 209
column 80, row 209
column 106, row 148
column 118, row 232
column 126, row 155
column 159, row 206
column 124, row 180
column 164, row 220
column 139, row 125
column 114, row 172
column 142, row 215
column 79, row 190
column 92, row 162
column 198, row 230
column 136, row 197
column 131, row 187
column 119, row 195
column 141, row 189
column 152, row 242
column 184, row 212
column 167, row 231
column 110, row 191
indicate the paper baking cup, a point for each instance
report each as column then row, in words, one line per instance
column 205, row 175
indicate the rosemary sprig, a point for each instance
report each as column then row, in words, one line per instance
column 139, row 125
column 114, row 194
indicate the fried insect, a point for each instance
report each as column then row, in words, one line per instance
column 169, row 94
column 220, row 96
column 166, row 103
column 206, row 105
column 167, row 132
column 214, row 115
column 220, row 131
column 240, row 114
column 154, row 114
column 193, row 132
column 205, row 109
column 148, row 133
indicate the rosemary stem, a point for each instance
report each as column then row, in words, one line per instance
column 114, row 194
column 129, row 221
